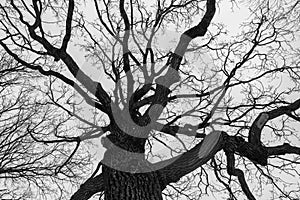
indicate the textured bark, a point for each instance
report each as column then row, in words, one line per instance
column 180, row 166
column 124, row 168
column 128, row 186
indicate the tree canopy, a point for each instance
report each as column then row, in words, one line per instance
column 166, row 99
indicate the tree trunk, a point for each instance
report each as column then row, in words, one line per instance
column 126, row 172
column 124, row 185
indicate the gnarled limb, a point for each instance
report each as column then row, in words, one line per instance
column 258, row 124
column 239, row 173
column 196, row 31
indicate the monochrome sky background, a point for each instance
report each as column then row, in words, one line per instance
column 231, row 16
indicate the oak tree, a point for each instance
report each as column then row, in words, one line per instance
column 222, row 104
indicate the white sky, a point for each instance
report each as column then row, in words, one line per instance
column 224, row 14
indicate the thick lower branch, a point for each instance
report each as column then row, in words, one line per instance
column 89, row 188
column 179, row 166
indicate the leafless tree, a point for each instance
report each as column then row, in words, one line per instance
column 224, row 107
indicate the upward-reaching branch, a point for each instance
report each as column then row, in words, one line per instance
column 196, row 31
column 60, row 54
column 171, row 77
column 126, row 65
column 68, row 26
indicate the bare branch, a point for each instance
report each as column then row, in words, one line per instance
column 68, row 26
column 239, row 173
column 263, row 118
